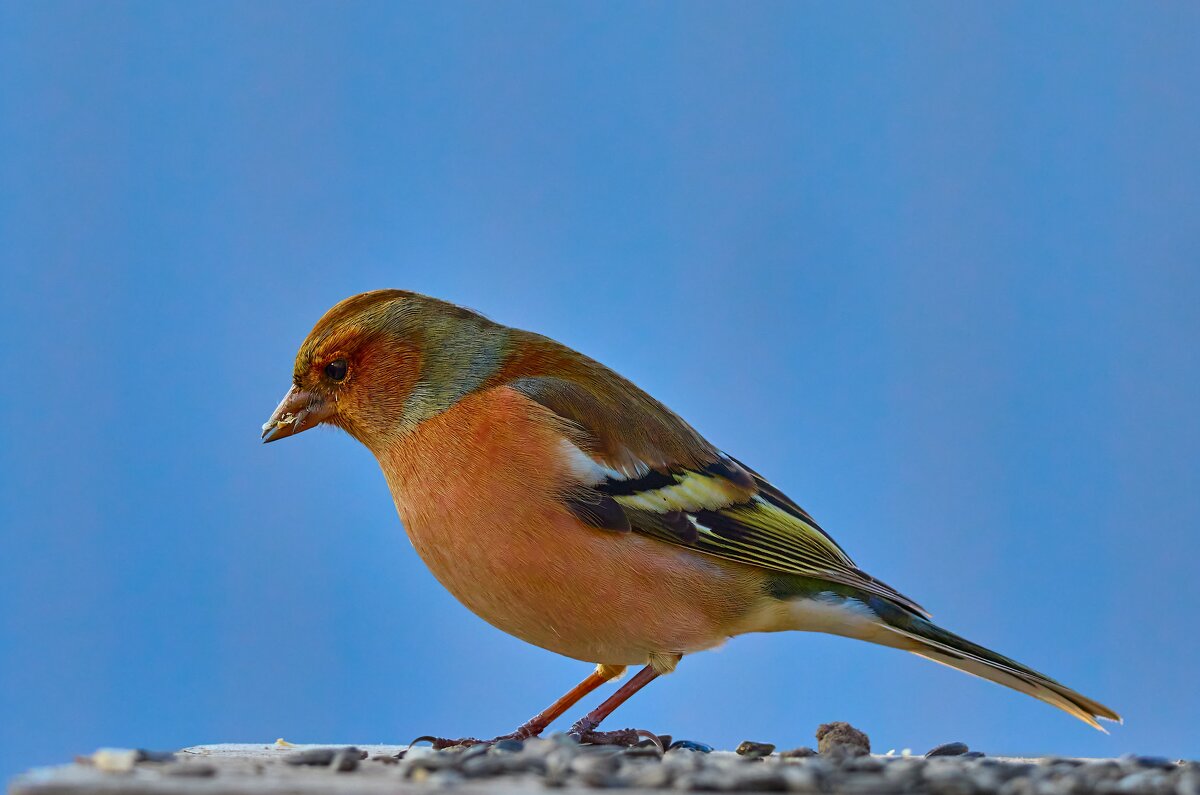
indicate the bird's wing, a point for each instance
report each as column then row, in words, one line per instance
column 662, row 479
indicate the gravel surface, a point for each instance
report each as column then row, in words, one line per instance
column 559, row 763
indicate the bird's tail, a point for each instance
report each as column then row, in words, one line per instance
column 911, row 632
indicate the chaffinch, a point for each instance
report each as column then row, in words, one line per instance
column 565, row 506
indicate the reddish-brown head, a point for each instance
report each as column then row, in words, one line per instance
column 378, row 363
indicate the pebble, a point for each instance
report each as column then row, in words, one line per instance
column 346, row 760
column 595, row 770
column 841, row 739
column 115, row 760
column 325, row 757
column 646, row 748
column 948, row 749
column 647, row 776
column 194, row 770
column 1157, row 762
column 155, row 756
column 688, row 745
column 753, row 750
column 843, row 766
column 508, row 745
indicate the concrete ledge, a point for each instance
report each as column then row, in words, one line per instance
column 571, row 769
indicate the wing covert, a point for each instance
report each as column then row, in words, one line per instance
column 639, row 459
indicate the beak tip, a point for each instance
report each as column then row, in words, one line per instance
column 296, row 413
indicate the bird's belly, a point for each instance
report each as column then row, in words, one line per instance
column 588, row 594
column 478, row 489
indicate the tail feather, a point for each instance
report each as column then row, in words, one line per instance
column 924, row 638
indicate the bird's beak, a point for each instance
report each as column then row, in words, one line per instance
column 297, row 412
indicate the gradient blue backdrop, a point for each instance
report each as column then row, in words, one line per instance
column 932, row 268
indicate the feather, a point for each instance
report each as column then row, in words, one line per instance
column 670, row 482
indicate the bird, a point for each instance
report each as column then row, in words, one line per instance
column 567, row 507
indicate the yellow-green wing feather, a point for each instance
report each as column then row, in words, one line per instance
column 655, row 475
column 732, row 512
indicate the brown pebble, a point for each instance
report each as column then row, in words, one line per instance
column 844, row 737
column 798, row 753
column 754, row 750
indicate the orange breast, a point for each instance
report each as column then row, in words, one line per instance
column 477, row 489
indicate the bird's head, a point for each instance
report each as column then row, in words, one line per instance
column 379, row 363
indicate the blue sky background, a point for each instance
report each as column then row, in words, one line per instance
column 933, row 268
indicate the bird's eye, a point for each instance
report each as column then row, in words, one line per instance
column 336, row 370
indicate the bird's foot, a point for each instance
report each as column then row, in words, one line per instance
column 625, row 737
column 441, row 743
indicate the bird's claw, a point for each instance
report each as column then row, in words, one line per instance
column 626, row 737
column 441, row 743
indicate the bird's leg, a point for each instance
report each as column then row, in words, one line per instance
column 537, row 724
column 584, row 729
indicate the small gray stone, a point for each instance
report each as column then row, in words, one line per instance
column 906, row 772
column 865, row 784
column 798, row 753
column 948, row 780
column 648, row 749
column 681, row 760
column 418, row 767
column 1102, row 770
column 759, row 778
column 1156, row 762
column 155, row 756
column 863, row 764
column 646, row 775
column 470, row 751
column 595, row 770
column 1147, row 782
column 482, row 766
column 510, row 746
column 327, row 757
column 706, row 779
column 444, row 779
column 346, row 760
column 798, row 778
column 819, row 766
column 197, row 770
column 313, row 757
column 1188, row 783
